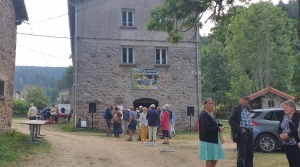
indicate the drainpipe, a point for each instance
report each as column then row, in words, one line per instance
column 75, row 64
column 198, row 60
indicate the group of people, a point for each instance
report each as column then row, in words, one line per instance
column 210, row 148
column 46, row 114
column 142, row 122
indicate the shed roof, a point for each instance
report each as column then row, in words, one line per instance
column 272, row 90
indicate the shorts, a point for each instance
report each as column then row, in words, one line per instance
column 132, row 125
column 165, row 133
column 108, row 122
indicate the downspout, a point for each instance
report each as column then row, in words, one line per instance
column 75, row 64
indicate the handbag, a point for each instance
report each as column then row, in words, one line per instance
column 221, row 138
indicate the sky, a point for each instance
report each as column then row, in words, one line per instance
column 48, row 51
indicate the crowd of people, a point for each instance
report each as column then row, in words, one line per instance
column 144, row 122
column 210, row 148
column 46, row 114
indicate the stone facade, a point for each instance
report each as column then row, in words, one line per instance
column 104, row 80
column 8, row 30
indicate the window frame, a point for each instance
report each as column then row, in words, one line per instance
column 127, row 18
column 160, row 56
column 127, row 54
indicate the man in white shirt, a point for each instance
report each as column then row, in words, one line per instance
column 32, row 112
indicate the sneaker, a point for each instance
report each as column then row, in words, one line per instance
column 129, row 140
column 150, row 144
column 155, row 144
column 164, row 142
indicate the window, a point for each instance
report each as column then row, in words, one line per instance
column 278, row 115
column 161, row 56
column 1, row 88
column 271, row 103
column 269, row 116
column 127, row 18
column 127, row 55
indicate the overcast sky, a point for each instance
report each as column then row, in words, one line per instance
column 43, row 51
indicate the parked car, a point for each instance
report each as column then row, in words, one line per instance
column 265, row 124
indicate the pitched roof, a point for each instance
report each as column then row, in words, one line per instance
column 272, row 90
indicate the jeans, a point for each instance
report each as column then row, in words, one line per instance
column 117, row 129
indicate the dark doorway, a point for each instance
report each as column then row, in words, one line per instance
column 145, row 102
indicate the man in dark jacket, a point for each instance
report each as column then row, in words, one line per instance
column 108, row 119
column 242, row 132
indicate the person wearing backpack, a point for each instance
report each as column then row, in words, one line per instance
column 108, row 116
column 116, row 120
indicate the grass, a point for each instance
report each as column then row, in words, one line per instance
column 68, row 127
column 15, row 148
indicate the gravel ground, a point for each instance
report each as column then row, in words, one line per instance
column 90, row 149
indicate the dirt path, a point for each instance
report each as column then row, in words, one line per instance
column 81, row 149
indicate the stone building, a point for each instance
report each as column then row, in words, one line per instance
column 120, row 63
column 12, row 13
column 268, row 98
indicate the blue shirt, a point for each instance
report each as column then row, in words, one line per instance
column 245, row 119
column 126, row 115
column 173, row 118
column 133, row 115
column 44, row 111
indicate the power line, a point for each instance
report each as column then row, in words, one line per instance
column 42, row 53
column 48, row 36
column 39, row 47
column 99, row 3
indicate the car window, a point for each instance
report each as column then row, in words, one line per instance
column 278, row 115
column 269, row 116
column 254, row 114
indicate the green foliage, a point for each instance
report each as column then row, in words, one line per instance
column 177, row 16
column 36, row 95
column 258, row 46
column 67, row 77
column 53, row 94
column 30, row 75
column 14, row 146
column 20, row 106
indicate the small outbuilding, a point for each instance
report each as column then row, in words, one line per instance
column 267, row 98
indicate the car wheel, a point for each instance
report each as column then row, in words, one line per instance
column 266, row 143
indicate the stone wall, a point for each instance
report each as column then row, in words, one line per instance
column 7, row 61
column 271, row 96
column 104, row 80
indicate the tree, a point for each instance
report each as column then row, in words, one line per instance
column 20, row 106
column 178, row 16
column 68, row 76
column 37, row 96
column 258, row 46
column 53, row 95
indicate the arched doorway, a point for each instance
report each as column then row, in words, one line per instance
column 145, row 102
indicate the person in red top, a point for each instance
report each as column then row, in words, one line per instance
column 165, row 125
